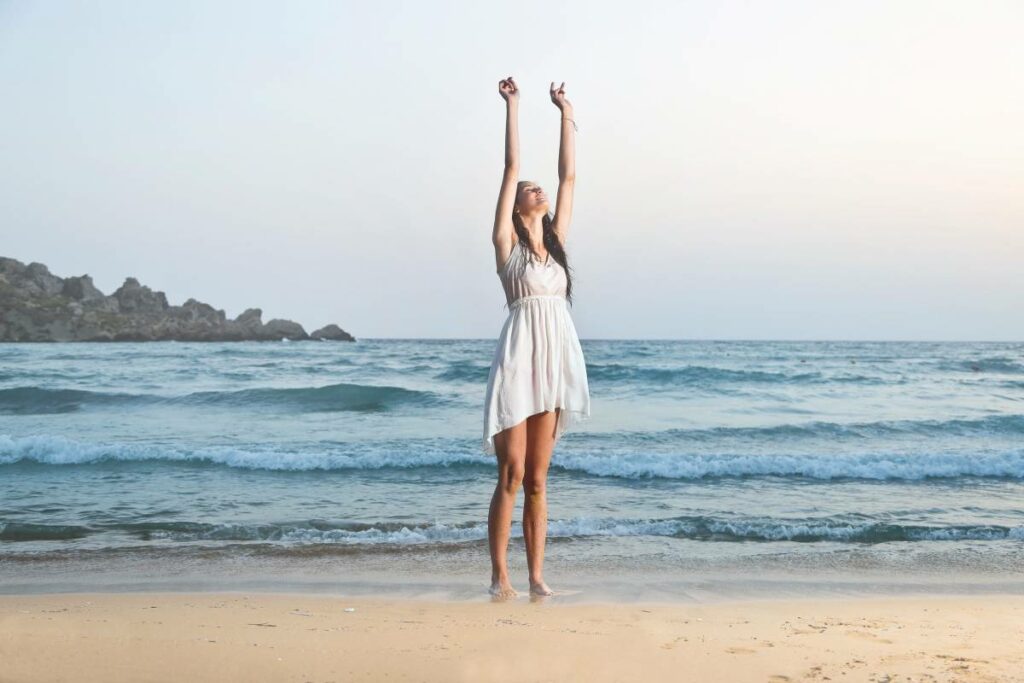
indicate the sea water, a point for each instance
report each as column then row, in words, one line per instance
column 707, row 467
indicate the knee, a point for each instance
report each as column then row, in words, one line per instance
column 512, row 478
column 534, row 486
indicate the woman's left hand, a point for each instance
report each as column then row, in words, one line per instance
column 558, row 96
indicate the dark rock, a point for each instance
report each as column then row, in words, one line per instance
column 285, row 329
column 37, row 278
column 135, row 298
column 250, row 318
column 36, row 305
column 198, row 311
column 11, row 268
column 81, row 289
column 332, row 333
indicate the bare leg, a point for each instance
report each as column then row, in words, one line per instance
column 540, row 443
column 510, row 447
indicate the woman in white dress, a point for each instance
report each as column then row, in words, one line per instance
column 537, row 387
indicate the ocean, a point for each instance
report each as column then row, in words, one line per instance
column 708, row 468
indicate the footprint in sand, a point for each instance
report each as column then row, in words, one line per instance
column 803, row 631
column 961, row 659
column 672, row 643
column 867, row 635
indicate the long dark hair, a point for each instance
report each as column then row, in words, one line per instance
column 551, row 243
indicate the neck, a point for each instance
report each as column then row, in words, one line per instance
column 535, row 228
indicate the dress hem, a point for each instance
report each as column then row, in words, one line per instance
column 568, row 417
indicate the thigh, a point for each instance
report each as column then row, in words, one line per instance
column 510, row 446
column 540, row 442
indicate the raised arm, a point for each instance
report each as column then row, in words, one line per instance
column 566, row 164
column 503, row 236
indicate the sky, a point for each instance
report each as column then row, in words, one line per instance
column 745, row 170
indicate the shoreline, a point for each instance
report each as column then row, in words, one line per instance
column 247, row 635
column 406, row 583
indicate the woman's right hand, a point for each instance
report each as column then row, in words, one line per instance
column 508, row 89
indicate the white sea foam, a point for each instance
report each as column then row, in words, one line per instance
column 59, row 450
column 693, row 527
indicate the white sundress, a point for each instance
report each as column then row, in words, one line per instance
column 538, row 363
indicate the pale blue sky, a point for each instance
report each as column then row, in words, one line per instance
column 771, row 170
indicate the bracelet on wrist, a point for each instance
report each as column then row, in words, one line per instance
column 566, row 118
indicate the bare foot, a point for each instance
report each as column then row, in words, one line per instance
column 540, row 588
column 501, row 589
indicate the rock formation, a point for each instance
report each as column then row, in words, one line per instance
column 37, row 306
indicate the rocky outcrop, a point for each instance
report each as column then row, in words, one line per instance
column 330, row 332
column 38, row 306
column 81, row 289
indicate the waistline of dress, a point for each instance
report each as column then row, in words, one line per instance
column 535, row 297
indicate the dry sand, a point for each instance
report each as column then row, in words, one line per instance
column 300, row 637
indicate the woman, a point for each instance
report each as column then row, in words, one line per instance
column 537, row 386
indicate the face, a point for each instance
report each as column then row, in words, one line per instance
column 532, row 198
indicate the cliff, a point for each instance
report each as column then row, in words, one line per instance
column 37, row 306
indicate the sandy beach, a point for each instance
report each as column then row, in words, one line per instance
column 303, row 637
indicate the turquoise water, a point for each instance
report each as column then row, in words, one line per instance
column 295, row 462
